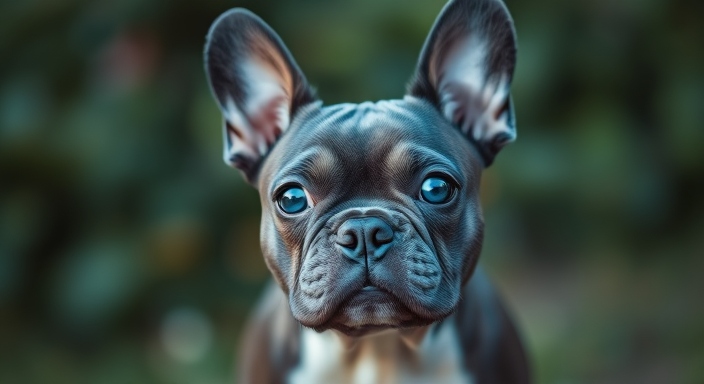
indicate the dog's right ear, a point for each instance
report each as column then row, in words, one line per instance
column 257, row 84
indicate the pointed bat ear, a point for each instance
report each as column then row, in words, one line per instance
column 257, row 84
column 466, row 68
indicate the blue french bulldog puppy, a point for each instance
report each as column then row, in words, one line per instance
column 371, row 222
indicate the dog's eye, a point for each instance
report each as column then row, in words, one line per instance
column 436, row 190
column 293, row 200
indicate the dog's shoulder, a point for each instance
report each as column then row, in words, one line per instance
column 271, row 341
column 492, row 349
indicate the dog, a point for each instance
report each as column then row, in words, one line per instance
column 371, row 222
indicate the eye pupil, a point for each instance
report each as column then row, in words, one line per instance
column 293, row 200
column 435, row 190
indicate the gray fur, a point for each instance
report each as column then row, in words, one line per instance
column 370, row 256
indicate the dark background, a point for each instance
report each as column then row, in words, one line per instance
column 129, row 252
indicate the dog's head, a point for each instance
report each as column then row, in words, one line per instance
column 370, row 212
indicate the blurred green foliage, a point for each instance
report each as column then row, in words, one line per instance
column 129, row 251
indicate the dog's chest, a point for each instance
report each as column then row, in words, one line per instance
column 380, row 359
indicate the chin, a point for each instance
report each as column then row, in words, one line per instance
column 372, row 310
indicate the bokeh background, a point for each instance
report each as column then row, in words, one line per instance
column 129, row 252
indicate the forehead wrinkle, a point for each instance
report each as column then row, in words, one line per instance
column 315, row 163
column 407, row 158
column 321, row 166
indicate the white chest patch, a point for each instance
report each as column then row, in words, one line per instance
column 382, row 358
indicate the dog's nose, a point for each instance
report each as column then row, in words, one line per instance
column 364, row 237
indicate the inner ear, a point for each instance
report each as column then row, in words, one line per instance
column 466, row 68
column 257, row 85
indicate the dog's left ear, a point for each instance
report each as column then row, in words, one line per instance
column 466, row 68
column 257, row 84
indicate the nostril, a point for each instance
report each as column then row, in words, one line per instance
column 347, row 240
column 383, row 235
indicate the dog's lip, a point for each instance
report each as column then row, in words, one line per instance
column 365, row 330
column 369, row 296
column 369, row 310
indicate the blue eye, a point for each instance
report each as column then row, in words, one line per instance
column 436, row 190
column 293, row 200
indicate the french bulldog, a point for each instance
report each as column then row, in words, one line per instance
column 371, row 221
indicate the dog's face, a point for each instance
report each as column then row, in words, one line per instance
column 370, row 212
column 370, row 215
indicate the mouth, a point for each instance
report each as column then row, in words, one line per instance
column 371, row 310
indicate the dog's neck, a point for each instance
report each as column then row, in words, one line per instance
column 392, row 356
